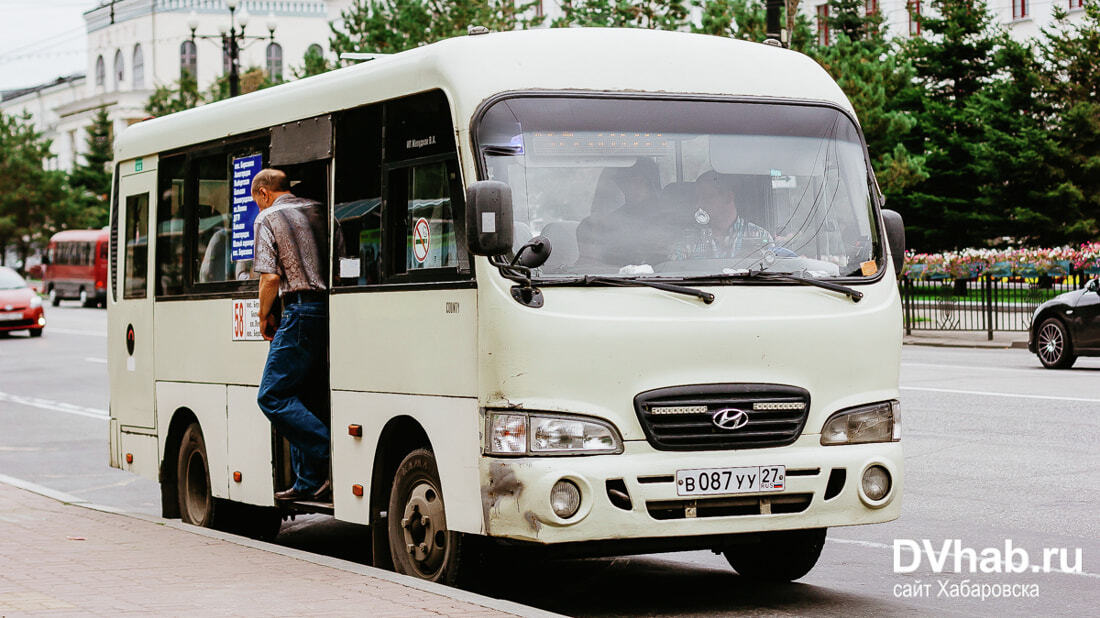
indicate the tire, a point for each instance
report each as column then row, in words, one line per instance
column 782, row 556
column 197, row 504
column 55, row 300
column 1053, row 345
column 36, row 332
column 424, row 550
column 85, row 299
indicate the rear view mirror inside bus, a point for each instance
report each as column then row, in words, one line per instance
column 489, row 217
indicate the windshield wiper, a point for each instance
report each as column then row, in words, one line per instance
column 856, row 295
column 706, row 297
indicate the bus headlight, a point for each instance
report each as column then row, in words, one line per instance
column 511, row 433
column 878, row 422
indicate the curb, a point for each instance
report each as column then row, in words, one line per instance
column 1014, row 345
column 501, row 605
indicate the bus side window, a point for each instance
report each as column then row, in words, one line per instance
column 170, row 225
column 211, row 255
column 137, row 222
column 358, row 195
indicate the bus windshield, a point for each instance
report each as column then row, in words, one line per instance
column 684, row 189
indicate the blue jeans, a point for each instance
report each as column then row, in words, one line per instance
column 294, row 390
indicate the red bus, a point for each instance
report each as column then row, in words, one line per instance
column 76, row 267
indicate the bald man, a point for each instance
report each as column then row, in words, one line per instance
column 292, row 259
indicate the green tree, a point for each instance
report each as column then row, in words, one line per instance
column 391, row 26
column 313, row 63
column 33, row 200
column 954, row 62
column 91, row 180
column 1070, row 86
column 653, row 14
column 250, row 80
column 879, row 82
column 170, row 99
column 746, row 20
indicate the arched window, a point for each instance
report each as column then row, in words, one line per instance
column 139, row 68
column 100, row 71
column 189, row 59
column 120, row 69
column 275, row 62
column 315, row 50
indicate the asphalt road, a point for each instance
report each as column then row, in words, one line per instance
column 997, row 450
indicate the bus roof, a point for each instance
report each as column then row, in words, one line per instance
column 80, row 236
column 471, row 69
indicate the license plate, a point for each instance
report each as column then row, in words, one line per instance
column 11, row 317
column 721, row 481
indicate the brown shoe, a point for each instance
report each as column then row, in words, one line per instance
column 290, row 495
column 324, row 493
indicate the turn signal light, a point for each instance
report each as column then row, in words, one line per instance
column 355, row 431
column 129, row 458
column 357, row 490
column 237, row 477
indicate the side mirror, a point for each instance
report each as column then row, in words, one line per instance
column 46, row 259
column 534, row 253
column 489, row 217
column 895, row 235
column 1093, row 285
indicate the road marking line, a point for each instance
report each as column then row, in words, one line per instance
column 56, row 406
column 92, row 359
column 1034, row 370
column 72, row 331
column 885, row 546
column 990, row 394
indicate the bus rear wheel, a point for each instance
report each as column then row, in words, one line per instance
column 86, row 300
column 781, row 556
column 55, row 299
column 420, row 544
column 197, row 503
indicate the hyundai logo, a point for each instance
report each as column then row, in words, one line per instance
column 730, row 419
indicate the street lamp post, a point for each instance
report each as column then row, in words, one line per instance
column 230, row 39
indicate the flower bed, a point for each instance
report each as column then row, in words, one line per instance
column 970, row 263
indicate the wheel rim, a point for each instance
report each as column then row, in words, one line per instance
column 198, row 492
column 424, row 529
column 83, row 296
column 53, row 295
column 1051, row 343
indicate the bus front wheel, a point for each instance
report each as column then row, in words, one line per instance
column 55, row 299
column 197, row 504
column 420, row 543
column 781, row 556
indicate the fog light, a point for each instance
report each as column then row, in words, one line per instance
column 565, row 498
column 876, row 483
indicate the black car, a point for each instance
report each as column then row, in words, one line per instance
column 1067, row 326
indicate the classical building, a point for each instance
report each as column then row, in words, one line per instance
column 133, row 46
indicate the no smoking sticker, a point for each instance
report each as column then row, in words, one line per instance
column 422, row 239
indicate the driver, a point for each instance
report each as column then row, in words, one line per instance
column 720, row 232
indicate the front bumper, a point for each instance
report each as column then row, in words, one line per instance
column 516, row 493
column 32, row 319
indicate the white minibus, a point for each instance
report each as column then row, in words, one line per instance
column 601, row 291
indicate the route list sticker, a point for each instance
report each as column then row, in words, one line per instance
column 246, row 320
column 422, row 238
column 244, row 209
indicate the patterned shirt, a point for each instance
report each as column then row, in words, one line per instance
column 701, row 241
column 291, row 242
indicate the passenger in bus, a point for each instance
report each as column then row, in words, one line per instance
column 290, row 255
column 719, row 231
column 628, row 234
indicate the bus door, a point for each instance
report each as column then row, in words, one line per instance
column 130, row 330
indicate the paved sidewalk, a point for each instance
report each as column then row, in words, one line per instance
column 966, row 339
column 63, row 559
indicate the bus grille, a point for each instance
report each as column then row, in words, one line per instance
column 682, row 418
